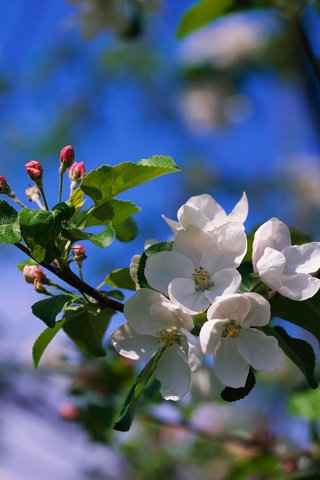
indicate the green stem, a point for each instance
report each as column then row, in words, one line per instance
column 16, row 199
column 60, row 187
column 55, row 285
column 43, row 197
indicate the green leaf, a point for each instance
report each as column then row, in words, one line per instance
column 48, row 309
column 157, row 247
column 102, row 239
column 9, row 226
column 230, row 394
column 201, row 14
column 306, row 404
column 299, row 351
column 305, row 314
column 86, row 327
column 126, row 231
column 123, row 423
column 106, row 182
column 76, row 198
column 249, row 281
column 120, row 278
column 43, row 341
column 40, row 230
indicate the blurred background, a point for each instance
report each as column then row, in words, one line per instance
column 237, row 105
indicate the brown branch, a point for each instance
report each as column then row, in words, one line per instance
column 68, row 276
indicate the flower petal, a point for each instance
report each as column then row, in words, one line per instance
column 231, row 307
column 232, row 243
column 226, row 281
column 302, row 258
column 163, row 267
column 131, row 344
column 259, row 314
column 167, row 314
column 137, row 311
column 271, row 267
column 188, row 215
column 173, row 373
column 299, row 287
column 240, row 211
column 210, row 334
column 229, row 366
column 191, row 242
column 209, row 207
column 194, row 352
column 182, row 292
column 274, row 234
column 175, row 226
column 259, row 350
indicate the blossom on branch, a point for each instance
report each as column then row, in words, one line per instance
column 154, row 322
column 283, row 267
column 229, row 335
column 200, row 267
column 204, row 212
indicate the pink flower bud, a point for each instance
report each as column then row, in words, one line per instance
column 67, row 156
column 69, row 411
column 77, row 171
column 34, row 170
column 4, row 186
column 79, row 251
column 32, row 273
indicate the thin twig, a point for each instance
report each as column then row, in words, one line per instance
column 68, row 276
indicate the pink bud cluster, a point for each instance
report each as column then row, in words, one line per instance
column 34, row 170
column 4, row 186
column 67, row 156
column 77, row 171
column 34, row 274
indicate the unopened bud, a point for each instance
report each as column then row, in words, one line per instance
column 77, row 171
column 79, row 252
column 32, row 273
column 69, row 411
column 32, row 193
column 66, row 158
column 34, row 170
column 4, row 186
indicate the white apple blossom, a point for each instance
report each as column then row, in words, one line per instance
column 229, row 335
column 134, row 264
column 154, row 322
column 204, row 212
column 283, row 267
column 200, row 267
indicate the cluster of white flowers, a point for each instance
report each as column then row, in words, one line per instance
column 200, row 275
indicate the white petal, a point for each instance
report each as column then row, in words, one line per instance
column 231, row 307
column 302, row 258
column 194, row 352
column 240, row 211
column 182, row 292
column 229, row 366
column 299, row 287
column 259, row 314
column 137, row 311
column 134, row 268
column 274, row 234
column 210, row 334
column 226, row 281
column 271, row 267
column 209, row 207
column 191, row 242
column 173, row 373
column 163, row 267
column 259, row 350
column 232, row 243
column 167, row 315
column 131, row 344
column 188, row 215
column 175, row 226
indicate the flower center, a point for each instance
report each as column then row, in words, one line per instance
column 231, row 330
column 169, row 335
column 202, row 280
